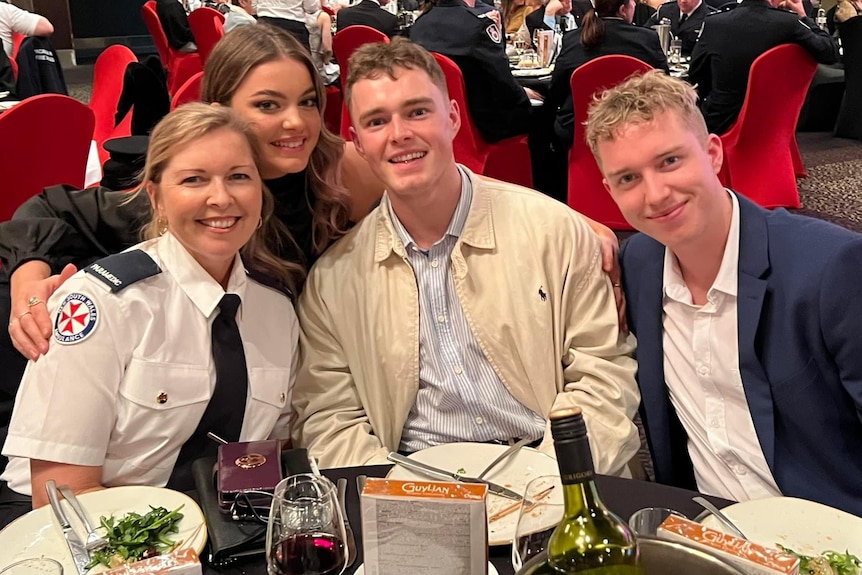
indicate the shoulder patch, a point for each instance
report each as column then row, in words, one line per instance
column 76, row 319
column 119, row 271
column 493, row 32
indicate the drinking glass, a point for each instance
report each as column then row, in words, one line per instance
column 305, row 533
column 541, row 510
column 38, row 566
column 646, row 521
column 674, row 54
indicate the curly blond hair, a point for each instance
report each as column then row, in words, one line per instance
column 637, row 101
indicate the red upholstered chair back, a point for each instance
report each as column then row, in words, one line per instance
column 759, row 146
column 180, row 65
column 208, row 28
column 469, row 146
column 49, row 138
column 345, row 43
column 107, row 87
column 188, row 92
column 17, row 40
column 587, row 194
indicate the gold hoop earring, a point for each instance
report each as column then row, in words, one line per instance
column 162, row 224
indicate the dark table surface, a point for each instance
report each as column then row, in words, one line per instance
column 622, row 496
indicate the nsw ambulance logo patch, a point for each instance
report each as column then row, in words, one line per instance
column 76, row 319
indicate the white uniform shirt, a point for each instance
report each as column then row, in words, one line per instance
column 129, row 394
column 287, row 9
column 14, row 19
column 701, row 367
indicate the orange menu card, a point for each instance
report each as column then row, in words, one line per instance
column 424, row 528
column 750, row 557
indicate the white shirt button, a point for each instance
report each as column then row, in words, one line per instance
column 713, row 423
column 441, row 318
column 458, row 370
column 479, row 420
column 435, row 262
column 702, row 370
column 740, row 470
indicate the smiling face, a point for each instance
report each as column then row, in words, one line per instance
column 662, row 175
column 210, row 194
column 278, row 99
column 404, row 127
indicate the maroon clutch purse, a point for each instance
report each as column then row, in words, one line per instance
column 245, row 468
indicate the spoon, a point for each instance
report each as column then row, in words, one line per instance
column 722, row 518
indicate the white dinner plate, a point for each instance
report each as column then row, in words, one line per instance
column 806, row 527
column 38, row 533
column 519, row 72
column 513, row 473
column 491, row 569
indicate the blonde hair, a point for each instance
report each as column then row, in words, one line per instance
column 371, row 61
column 637, row 101
column 180, row 129
column 232, row 59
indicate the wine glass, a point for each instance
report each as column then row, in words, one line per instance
column 541, row 510
column 646, row 521
column 305, row 533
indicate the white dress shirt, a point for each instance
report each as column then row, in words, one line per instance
column 701, row 365
column 129, row 393
column 287, row 9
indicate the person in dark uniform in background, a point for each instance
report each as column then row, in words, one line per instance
column 686, row 18
column 567, row 14
column 607, row 30
column 732, row 40
column 469, row 33
column 368, row 13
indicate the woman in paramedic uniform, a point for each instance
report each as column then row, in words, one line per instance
column 130, row 372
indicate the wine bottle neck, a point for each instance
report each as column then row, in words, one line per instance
column 581, row 497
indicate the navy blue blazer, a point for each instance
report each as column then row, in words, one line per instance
column 800, row 353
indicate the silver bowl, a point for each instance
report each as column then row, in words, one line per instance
column 658, row 557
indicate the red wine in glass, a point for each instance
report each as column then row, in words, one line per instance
column 309, row 554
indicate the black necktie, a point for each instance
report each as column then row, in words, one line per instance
column 224, row 412
column 563, row 24
column 682, row 19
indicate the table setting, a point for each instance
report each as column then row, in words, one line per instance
column 524, row 503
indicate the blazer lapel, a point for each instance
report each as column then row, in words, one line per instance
column 650, row 354
column 753, row 271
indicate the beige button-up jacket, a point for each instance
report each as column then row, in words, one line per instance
column 527, row 271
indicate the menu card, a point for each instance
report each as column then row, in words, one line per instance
column 750, row 557
column 545, row 47
column 424, row 528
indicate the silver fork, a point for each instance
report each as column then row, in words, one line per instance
column 505, row 455
column 94, row 541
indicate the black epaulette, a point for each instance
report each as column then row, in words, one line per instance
column 119, row 271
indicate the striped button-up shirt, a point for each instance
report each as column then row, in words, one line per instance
column 460, row 397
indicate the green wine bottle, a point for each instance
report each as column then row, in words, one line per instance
column 589, row 540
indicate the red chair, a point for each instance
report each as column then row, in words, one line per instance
column 507, row 160
column 345, row 43
column 180, row 65
column 332, row 110
column 188, row 92
column 758, row 148
column 51, row 135
column 14, row 66
column 17, row 40
column 587, row 194
column 208, row 28
column 107, row 87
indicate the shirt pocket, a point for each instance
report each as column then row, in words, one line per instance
column 159, row 407
column 269, row 393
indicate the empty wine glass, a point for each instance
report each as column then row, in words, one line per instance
column 305, row 534
column 646, row 521
column 541, row 510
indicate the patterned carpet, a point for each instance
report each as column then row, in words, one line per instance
column 833, row 188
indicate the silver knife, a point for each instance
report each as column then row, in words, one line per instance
column 79, row 551
column 431, row 471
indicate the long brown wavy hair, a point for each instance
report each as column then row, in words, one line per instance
column 180, row 129
column 247, row 47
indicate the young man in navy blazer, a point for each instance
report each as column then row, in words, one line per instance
column 748, row 320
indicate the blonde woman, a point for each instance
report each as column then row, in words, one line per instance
column 133, row 379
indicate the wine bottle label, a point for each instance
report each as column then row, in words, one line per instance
column 575, row 461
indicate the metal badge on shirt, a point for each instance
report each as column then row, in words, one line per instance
column 76, row 319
